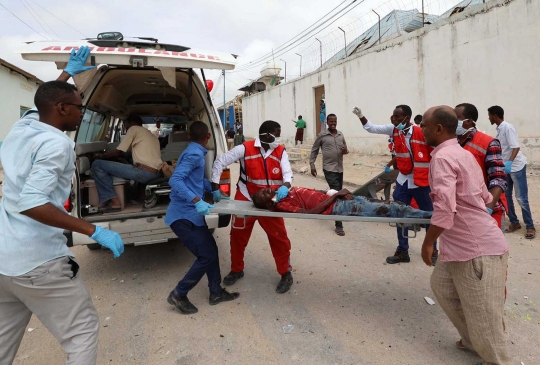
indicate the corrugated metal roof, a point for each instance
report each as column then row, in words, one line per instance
column 393, row 25
column 465, row 4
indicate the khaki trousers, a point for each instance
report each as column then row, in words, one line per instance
column 58, row 297
column 472, row 294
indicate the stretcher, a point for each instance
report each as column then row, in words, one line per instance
column 247, row 209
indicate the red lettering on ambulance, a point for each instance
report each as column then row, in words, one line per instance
column 52, row 48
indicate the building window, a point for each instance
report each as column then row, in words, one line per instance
column 23, row 110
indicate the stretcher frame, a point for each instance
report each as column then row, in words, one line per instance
column 246, row 209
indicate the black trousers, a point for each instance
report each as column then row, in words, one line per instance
column 335, row 181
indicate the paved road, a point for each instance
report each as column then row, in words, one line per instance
column 347, row 306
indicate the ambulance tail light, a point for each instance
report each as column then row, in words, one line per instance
column 225, row 182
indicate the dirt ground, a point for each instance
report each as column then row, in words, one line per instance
column 347, row 305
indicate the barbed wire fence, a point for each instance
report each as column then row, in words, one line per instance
column 328, row 45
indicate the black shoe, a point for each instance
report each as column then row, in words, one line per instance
column 182, row 303
column 225, row 296
column 233, row 277
column 285, row 283
column 434, row 256
column 399, row 256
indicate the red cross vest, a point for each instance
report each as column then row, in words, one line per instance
column 415, row 160
column 478, row 146
column 258, row 172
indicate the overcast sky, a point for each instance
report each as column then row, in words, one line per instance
column 249, row 28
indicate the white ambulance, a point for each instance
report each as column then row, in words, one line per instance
column 158, row 82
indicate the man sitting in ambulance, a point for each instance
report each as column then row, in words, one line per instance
column 311, row 201
column 147, row 163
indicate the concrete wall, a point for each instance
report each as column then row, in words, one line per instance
column 485, row 56
column 15, row 91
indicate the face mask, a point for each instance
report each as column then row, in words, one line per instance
column 402, row 125
column 460, row 130
column 275, row 144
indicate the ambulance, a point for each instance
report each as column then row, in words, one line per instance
column 158, row 82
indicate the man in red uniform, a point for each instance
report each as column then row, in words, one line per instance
column 412, row 160
column 264, row 163
column 488, row 153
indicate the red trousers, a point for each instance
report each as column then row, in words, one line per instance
column 277, row 236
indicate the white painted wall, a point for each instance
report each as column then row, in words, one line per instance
column 15, row 91
column 486, row 56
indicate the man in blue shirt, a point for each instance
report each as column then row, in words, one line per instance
column 185, row 216
column 38, row 273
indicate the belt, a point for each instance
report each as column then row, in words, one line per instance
column 147, row 168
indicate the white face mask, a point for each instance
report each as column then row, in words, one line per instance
column 275, row 144
column 460, row 130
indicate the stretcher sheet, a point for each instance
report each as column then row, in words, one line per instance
column 247, row 209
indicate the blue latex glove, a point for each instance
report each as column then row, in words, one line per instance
column 387, row 169
column 77, row 60
column 203, row 207
column 109, row 239
column 489, row 210
column 218, row 196
column 282, row 192
column 508, row 167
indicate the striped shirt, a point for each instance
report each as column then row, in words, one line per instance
column 459, row 196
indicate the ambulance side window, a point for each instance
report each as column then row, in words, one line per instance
column 90, row 126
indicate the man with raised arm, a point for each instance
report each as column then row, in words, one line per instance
column 412, row 161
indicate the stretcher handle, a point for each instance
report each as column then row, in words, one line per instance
column 234, row 221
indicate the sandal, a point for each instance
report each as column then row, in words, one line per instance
column 513, row 227
column 340, row 231
column 531, row 233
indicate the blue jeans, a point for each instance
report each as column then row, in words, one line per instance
column 403, row 194
column 519, row 181
column 365, row 207
column 103, row 172
column 200, row 242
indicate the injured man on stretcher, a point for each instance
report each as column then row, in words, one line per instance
column 311, row 201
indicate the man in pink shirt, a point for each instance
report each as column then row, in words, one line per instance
column 470, row 276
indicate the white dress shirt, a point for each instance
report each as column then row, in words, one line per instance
column 237, row 154
column 507, row 135
column 388, row 129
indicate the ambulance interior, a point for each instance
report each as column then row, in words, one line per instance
column 144, row 92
